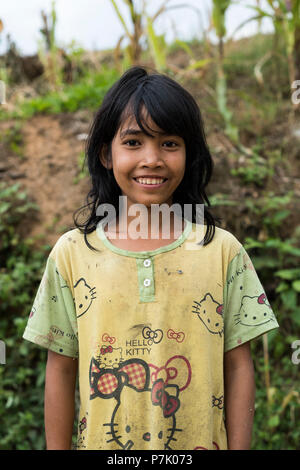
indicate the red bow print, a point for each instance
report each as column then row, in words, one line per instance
column 110, row 339
column 219, row 309
column 107, row 384
column 262, row 299
column 169, row 372
column 159, row 396
column 106, row 349
column 179, row 337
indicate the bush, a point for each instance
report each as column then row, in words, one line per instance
column 87, row 93
column 22, row 377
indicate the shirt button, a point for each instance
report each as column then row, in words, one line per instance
column 147, row 262
column 147, row 282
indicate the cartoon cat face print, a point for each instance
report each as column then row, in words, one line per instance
column 84, row 299
column 109, row 357
column 133, row 431
column 254, row 311
column 210, row 312
column 144, row 414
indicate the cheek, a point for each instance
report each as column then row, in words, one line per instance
column 122, row 165
column 119, row 172
column 181, row 160
column 178, row 166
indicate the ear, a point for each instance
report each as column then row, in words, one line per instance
column 105, row 157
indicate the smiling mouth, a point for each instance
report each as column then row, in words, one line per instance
column 150, row 181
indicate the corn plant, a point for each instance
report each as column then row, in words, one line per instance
column 285, row 15
column 3, row 73
column 134, row 49
column 142, row 29
column 49, row 52
column 157, row 45
column 218, row 20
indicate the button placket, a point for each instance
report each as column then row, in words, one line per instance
column 146, row 279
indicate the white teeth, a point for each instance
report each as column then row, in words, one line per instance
column 150, row 180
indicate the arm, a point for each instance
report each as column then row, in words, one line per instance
column 61, row 372
column 239, row 397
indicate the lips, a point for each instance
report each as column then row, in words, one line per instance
column 149, row 176
column 149, row 182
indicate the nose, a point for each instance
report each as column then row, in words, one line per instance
column 152, row 156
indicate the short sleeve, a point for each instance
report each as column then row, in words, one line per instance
column 247, row 312
column 52, row 322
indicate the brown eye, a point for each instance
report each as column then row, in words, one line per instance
column 169, row 143
column 132, row 143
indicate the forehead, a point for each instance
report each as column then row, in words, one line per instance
column 129, row 121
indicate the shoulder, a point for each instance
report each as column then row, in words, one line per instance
column 68, row 254
column 227, row 244
column 222, row 248
column 67, row 243
column 226, row 238
column 222, row 239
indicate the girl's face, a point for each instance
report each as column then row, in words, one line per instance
column 135, row 154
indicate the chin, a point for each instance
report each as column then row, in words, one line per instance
column 148, row 204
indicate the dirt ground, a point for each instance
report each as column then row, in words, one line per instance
column 48, row 170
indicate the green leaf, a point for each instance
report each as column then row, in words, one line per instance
column 289, row 299
column 157, row 45
column 273, row 421
column 296, row 317
column 184, row 46
column 218, row 16
column 296, row 285
column 199, row 64
column 9, row 401
column 288, row 274
column 283, row 286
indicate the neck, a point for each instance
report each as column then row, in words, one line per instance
column 152, row 222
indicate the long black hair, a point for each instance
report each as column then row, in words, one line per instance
column 173, row 110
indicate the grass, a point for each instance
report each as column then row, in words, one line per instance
column 87, row 93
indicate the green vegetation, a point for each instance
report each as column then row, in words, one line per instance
column 87, row 93
column 12, row 137
column 22, row 378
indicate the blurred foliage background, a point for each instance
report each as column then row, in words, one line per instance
column 247, row 94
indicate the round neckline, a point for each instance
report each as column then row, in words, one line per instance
column 144, row 254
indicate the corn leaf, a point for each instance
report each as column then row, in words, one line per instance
column 218, row 16
column 198, row 64
column 157, row 45
column 121, row 18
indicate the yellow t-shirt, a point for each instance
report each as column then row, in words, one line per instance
column 150, row 330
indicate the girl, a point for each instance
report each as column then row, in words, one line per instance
column 158, row 325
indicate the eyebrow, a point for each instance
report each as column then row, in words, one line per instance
column 132, row 131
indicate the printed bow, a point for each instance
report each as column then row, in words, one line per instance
column 106, row 349
column 159, row 396
column 262, row 299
